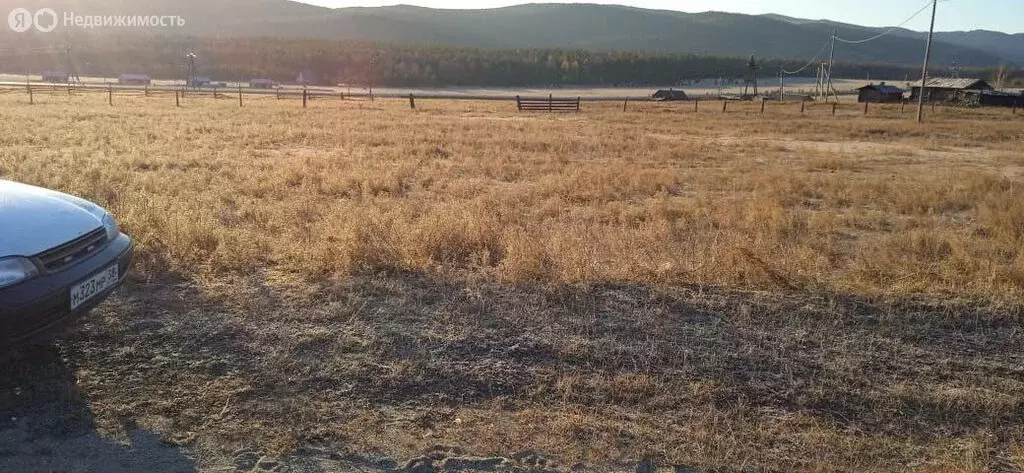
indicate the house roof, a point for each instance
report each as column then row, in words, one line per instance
column 953, row 83
column 883, row 88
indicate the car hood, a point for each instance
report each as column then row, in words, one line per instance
column 33, row 219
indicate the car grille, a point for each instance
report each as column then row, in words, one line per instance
column 74, row 251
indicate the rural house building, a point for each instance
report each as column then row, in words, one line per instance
column 880, row 93
column 945, row 89
column 56, row 77
column 199, row 82
column 992, row 98
column 134, row 79
column 261, row 84
column 669, row 95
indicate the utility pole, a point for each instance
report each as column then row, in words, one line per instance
column 190, row 79
column 820, row 86
column 924, row 70
column 831, row 58
column 782, row 85
column 751, row 78
column 817, row 82
column 70, row 65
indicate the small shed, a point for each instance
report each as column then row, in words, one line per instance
column 261, row 84
column 56, row 77
column 665, row 95
column 946, row 89
column 134, row 79
column 880, row 93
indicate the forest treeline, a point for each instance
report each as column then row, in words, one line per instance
column 367, row 63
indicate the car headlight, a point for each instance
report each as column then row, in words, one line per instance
column 110, row 225
column 15, row 270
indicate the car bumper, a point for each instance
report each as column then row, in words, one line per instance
column 39, row 308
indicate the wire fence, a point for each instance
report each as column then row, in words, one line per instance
column 707, row 104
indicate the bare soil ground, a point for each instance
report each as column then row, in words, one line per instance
column 361, row 287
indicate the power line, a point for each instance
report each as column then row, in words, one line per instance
column 815, row 58
column 890, row 30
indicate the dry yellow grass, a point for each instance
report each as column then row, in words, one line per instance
column 782, row 291
column 865, row 206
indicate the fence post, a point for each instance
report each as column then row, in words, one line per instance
column 31, row 100
column 865, row 108
column 725, row 105
column 550, row 100
column 110, row 94
column 145, row 91
column 239, row 96
column 215, row 93
column 177, row 101
column 624, row 103
column 412, row 102
column 341, row 95
column 278, row 90
column 304, row 95
column 696, row 100
column 803, row 105
column 834, row 105
column 762, row 105
column 903, row 104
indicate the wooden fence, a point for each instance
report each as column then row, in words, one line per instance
column 33, row 92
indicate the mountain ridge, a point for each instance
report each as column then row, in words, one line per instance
column 557, row 25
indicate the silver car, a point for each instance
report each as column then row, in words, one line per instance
column 60, row 256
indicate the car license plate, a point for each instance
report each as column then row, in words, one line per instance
column 93, row 285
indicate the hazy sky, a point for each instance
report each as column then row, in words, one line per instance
column 998, row 15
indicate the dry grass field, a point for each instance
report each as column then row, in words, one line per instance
column 783, row 292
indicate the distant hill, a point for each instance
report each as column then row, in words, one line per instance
column 582, row 26
column 1009, row 47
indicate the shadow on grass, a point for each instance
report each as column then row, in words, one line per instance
column 46, row 425
column 282, row 365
